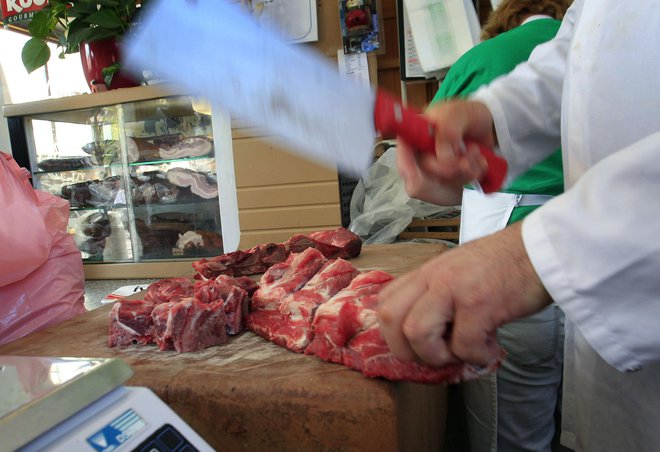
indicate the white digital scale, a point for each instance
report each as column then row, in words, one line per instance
column 79, row 404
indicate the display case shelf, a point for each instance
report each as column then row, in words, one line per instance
column 138, row 166
column 131, row 164
column 184, row 159
column 86, row 168
column 89, row 209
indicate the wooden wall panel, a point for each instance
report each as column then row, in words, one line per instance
column 289, row 195
column 310, row 216
column 261, row 163
column 280, row 194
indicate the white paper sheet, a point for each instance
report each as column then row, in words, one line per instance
column 441, row 30
column 355, row 67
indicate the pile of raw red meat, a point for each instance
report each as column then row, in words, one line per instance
column 182, row 315
column 309, row 300
column 185, row 315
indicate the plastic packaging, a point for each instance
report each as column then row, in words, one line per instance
column 380, row 207
column 41, row 275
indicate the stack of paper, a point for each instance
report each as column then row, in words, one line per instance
column 442, row 30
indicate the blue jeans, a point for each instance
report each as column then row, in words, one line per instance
column 513, row 410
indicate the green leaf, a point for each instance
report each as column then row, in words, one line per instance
column 76, row 37
column 109, row 72
column 39, row 26
column 58, row 9
column 75, row 26
column 82, row 9
column 106, row 18
column 35, row 54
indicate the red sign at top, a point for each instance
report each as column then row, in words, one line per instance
column 14, row 11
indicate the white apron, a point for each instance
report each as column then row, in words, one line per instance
column 482, row 215
column 533, row 371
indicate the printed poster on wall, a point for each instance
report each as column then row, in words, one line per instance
column 409, row 65
column 20, row 12
column 443, row 30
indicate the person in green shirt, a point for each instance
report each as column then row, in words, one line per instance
column 513, row 410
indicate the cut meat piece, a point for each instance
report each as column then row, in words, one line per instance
column 241, row 263
column 173, row 329
column 332, row 244
column 346, row 331
column 187, row 147
column 199, row 243
column 209, row 291
column 275, row 285
column 169, row 289
column 331, row 334
column 235, row 305
column 368, row 353
column 266, row 323
column 160, row 317
column 244, row 282
column 335, row 275
column 299, row 307
column 193, row 325
column 233, row 298
column 259, row 258
column 285, row 278
column 209, row 268
column 182, row 314
column 335, row 243
column 198, row 182
column 130, row 323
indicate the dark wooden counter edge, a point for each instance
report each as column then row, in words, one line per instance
column 219, row 371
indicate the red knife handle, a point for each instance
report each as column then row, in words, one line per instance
column 391, row 118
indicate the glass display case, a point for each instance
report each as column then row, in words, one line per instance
column 144, row 172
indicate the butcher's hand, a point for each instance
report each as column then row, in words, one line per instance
column 450, row 308
column 418, row 185
column 459, row 126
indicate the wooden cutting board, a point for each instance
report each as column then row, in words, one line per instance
column 250, row 394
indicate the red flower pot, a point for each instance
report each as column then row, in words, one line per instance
column 95, row 56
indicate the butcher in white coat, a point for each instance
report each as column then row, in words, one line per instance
column 595, row 249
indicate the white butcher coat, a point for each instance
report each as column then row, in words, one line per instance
column 597, row 247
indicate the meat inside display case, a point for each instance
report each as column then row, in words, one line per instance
column 141, row 177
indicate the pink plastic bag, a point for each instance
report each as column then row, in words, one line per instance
column 41, row 275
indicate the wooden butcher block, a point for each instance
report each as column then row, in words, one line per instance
column 250, row 394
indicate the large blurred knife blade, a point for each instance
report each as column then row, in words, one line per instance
column 215, row 49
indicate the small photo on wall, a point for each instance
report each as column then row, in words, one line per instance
column 360, row 26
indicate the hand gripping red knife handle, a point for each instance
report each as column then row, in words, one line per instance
column 392, row 118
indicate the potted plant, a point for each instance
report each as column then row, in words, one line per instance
column 75, row 25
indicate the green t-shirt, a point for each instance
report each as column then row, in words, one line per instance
column 484, row 63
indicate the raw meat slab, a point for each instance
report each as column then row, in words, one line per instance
column 333, row 243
